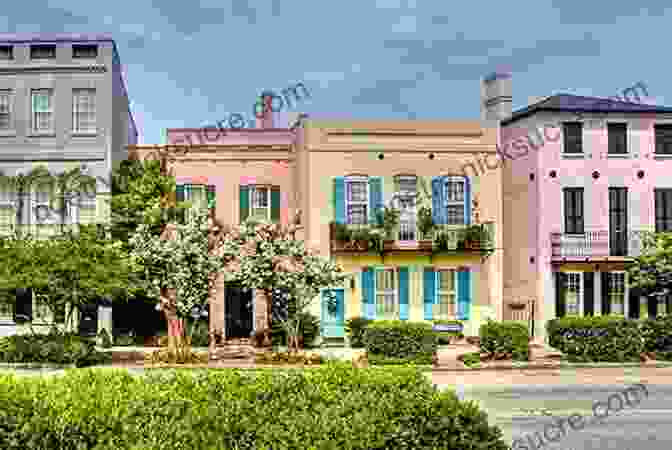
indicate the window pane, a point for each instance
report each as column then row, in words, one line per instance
column 456, row 214
column 573, row 293
column 446, row 280
column 357, row 214
column 455, row 191
column 357, row 191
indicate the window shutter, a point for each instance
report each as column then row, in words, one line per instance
column 375, row 198
column 275, row 204
column 467, row 201
column 368, row 294
column 429, row 286
column 589, row 293
column 606, row 304
column 560, row 283
column 179, row 192
column 339, row 199
column 212, row 197
column 437, row 200
column 634, row 305
column 463, row 294
column 244, row 196
column 403, row 293
column 23, row 310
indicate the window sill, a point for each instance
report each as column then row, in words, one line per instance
column 662, row 156
column 42, row 134
column 7, row 133
column 573, row 155
column 619, row 155
column 83, row 133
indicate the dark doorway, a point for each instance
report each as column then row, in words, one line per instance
column 618, row 221
column 237, row 311
column 88, row 320
column 139, row 316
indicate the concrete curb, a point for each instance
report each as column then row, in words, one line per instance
column 562, row 365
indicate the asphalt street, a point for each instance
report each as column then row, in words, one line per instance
column 527, row 413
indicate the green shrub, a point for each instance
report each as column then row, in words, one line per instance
column 126, row 340
column 600, row 338
column 446, row 337
column 330, row 407
column 309, row 330
column 412, row 341
column 199, row 336
column 54, row 347
column 355, row 329
column 472, row 359
column 105, row 339
column 657, row 335
column 505, row 337
column 382, row 360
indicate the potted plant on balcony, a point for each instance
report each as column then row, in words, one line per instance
column 387, row 219
column 425, row 226
column 475, row 237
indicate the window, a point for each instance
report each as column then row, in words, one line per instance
column 446, row 293
column 5, row 110
column 84, row 110
column 406, row 194
column 663, row 205
column 84, row 51
column 42, row 213
column 455, row 200
column 7, row 210
column 663, row 139
column 6, row 52
column 573, row 293
column 41, row 311
column 617, row 134
column 573, row 210
column 572, row 132
column 386, row 302
column 356, row 200
column 42, row 51
column 260, row 199
column 43, row 111
column 86, row 207
column 617, row 292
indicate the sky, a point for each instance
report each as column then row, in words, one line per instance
column 189, row 63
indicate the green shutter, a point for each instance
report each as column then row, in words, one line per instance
column 244, row 203
column 368, row 293
column 463, row 294
column 429, row 286
column 339, row 200
column 212, row 197
column 275, row 204
column 403, row 293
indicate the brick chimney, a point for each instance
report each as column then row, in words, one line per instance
column 496, row 96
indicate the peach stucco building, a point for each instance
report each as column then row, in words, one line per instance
column 335, row 175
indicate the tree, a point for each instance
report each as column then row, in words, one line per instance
column 179, row 269
column 67, row 271
column 268, row 257
column 652, row 270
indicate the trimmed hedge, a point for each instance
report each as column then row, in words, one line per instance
column 332, row 407
column 598, row 339
column 53, row 347
column 657, row 335
column 412, row 341
column 505, row 337
column 355, row 329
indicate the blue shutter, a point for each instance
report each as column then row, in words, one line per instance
column 375, row 197
column 463, row 294
column 368, row 294
column 339, row 199
column 403, row 293
column 467, row 201
column 436, row 200
column 429, row 285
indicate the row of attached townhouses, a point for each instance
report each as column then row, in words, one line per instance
column 537, row 212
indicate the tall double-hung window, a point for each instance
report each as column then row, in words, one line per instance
column 406, row 198
column 454, row 200
column 446, row 294
column 356, row 199
column 387, row 304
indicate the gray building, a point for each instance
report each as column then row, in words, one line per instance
column 63, row 104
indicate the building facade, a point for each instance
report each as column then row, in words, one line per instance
column 335, row 176
column 584, row 178
column 63, row 104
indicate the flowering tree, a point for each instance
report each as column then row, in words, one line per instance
column 268, row 257
column 179, row 267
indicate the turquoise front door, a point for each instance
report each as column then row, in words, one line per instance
column 333, row 324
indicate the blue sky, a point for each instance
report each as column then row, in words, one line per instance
column 188, row 63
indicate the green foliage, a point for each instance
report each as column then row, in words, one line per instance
column 54, row 347
column 600, row 338
column 124, row 340
column 105, row 338
column 413, row 341
column 329, row 407
column 382, row 360
column 657, row 335
column 652, row 270
column 309, row 330
column 472, row 359
column 425, row 221
column 505, row 337
column 179, row 355
column 445, row 337
column 288, row 358
column 387, row 219
column 200, row 336
column 354, row 327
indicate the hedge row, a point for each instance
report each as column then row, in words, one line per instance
column 397, row 339
column 611, row 338
column 333, row 407
column 511, row 338
column 53, row 347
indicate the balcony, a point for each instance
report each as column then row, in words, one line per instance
column 444, row 238
column 597, row 244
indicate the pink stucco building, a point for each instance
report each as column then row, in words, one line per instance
column 577, row 192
